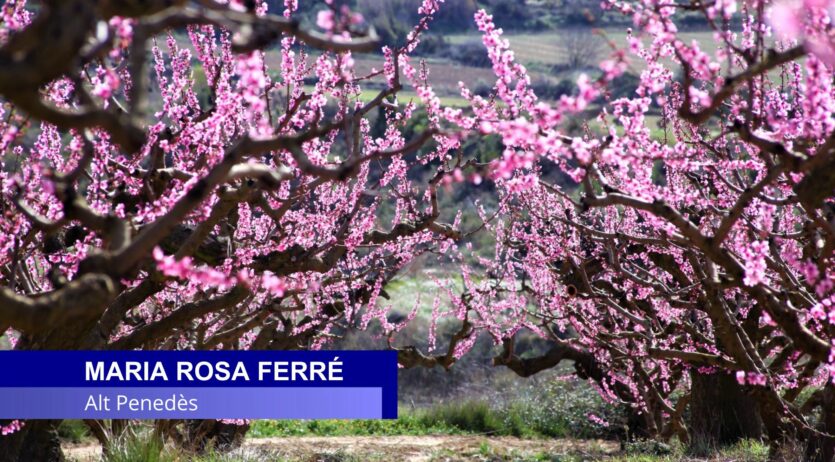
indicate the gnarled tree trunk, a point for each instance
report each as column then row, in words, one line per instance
column 821, row 446
column 36, row 441
column 721, row 413
column 204, row 435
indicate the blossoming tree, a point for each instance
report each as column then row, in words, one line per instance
column 674, row 266
column 201, row 175
column 165, row 184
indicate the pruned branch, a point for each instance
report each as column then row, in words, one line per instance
column 51, row 310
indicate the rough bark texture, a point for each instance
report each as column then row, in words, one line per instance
column 36, row 441
column 821, row 448
column 204, row 435
column 721, row 413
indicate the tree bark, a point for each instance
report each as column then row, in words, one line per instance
column 721, row 413
column 36, row 441
column 204, row 435
column 821, row 447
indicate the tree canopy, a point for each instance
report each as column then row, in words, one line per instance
column 208, row 174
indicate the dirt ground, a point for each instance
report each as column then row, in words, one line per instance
column 399, row 448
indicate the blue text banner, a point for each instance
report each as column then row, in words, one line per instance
column 198, row 384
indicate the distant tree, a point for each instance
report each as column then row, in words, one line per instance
column 391, row 18
column 580, row 48
column 578, row 13
column 470, row 53
column 511, row 14
column 456, row 15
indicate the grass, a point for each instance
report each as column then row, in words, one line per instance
column 136, row 447
column 744, row 451
column 466, row 418
column 407, row 424
column 557, row 410
column 140, row 447
column 73, row 431
column 652, row 121
column 404, row 96
column 404, row 292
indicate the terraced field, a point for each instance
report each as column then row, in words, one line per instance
column 546, row 48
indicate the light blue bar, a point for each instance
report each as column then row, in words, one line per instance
column 212, row 403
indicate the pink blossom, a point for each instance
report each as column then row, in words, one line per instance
column 11, row 427
column 326, row 19
column 755, row 265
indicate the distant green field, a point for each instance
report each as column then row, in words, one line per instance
column 409, row 95
column 547, row 47
column 652, row 121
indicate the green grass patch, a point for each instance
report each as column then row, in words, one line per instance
column 404, row 96
column 73, row 431
column 139, row 448
column 651, row 451
column 448, row 419
column 409, row 423
column 557, row 410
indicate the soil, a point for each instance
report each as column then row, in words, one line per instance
column 399, row 448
